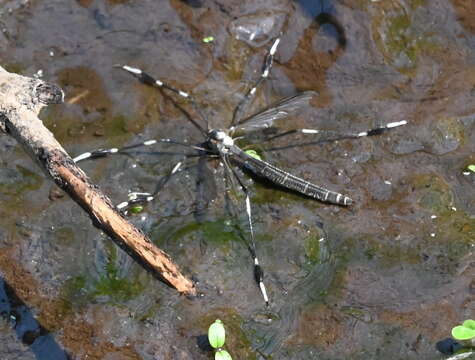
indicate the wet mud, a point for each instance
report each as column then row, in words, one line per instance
column 385, row 278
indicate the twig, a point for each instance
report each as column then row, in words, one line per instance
column 21, row 99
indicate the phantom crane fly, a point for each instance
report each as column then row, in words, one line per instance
column 220, row 143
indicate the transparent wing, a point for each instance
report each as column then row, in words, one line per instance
column 282, row 109
column 323, row 124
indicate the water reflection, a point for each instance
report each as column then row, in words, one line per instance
column 313, row 8
column 27, row 328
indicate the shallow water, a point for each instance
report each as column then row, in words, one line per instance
column 385, row 278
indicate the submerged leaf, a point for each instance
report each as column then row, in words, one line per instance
column 254, row 154
column 216, row 334
column 136, row 209
column 208, row 39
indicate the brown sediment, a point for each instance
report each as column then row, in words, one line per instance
column 85, row 3
column 84, row 87
column 79, row 337
column 434, row 321
column 465, row 10
column 318, row 325
column 307, row 69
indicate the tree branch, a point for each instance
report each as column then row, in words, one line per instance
column 21, row 99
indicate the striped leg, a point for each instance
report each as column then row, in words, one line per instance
column 267, row 66
column 141, row 198
column 149, row 80
column 94, row 154
column 333, row 135
column 258, row 272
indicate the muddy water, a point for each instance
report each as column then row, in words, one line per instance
column 386, row 278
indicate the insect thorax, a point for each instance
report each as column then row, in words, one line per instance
column 220, row 141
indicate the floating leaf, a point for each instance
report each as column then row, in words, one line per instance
column 254, row 154
column 466, row 331
column 471, row 168
column 222, row 355
column 208, row 39
column 216, row 334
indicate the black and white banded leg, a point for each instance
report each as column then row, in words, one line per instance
column 151, row 81
column 141, row 198
column 333, row 135
column 99, row 153
column 266, row 68
column 258, row 272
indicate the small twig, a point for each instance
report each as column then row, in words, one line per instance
column 21, row 99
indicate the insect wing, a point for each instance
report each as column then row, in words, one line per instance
column 281, row 110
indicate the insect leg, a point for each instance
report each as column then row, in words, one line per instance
column 267, row 66
column 151, row 81
column 94, row 154
column 258, row 272
column 140, row 198
column 334, row 135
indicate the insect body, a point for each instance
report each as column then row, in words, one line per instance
column 224, row 145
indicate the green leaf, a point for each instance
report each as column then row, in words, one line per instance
column 136, row 209
column 471, row 168
column 466, row 331
column 254, row 154
column 222, row 355
column 208, row 39
column 216, row 334
column 469, row 324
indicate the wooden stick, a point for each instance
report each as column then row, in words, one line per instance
column 21, row 99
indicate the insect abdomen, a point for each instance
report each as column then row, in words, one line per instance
column 289, row 181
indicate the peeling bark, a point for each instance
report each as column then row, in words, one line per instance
column 21, row 99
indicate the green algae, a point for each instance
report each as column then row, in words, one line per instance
column 111, row 284
column 72, row 128
column 118, row 289
column 312, row 248
column 88, row 110
column 221, row 232
column 448, row 133
column 19, row 180
column 218, row 232
column 396, row 38
column 433, row 193
column 234, row 64
column 64, row 235
column 414, row 4
column 74, row 293
column 444, row 233
column 15, row 185
column 16, row 68
column 82, row 289
column 386, row 253
column 267, row 193
column 73, row 287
